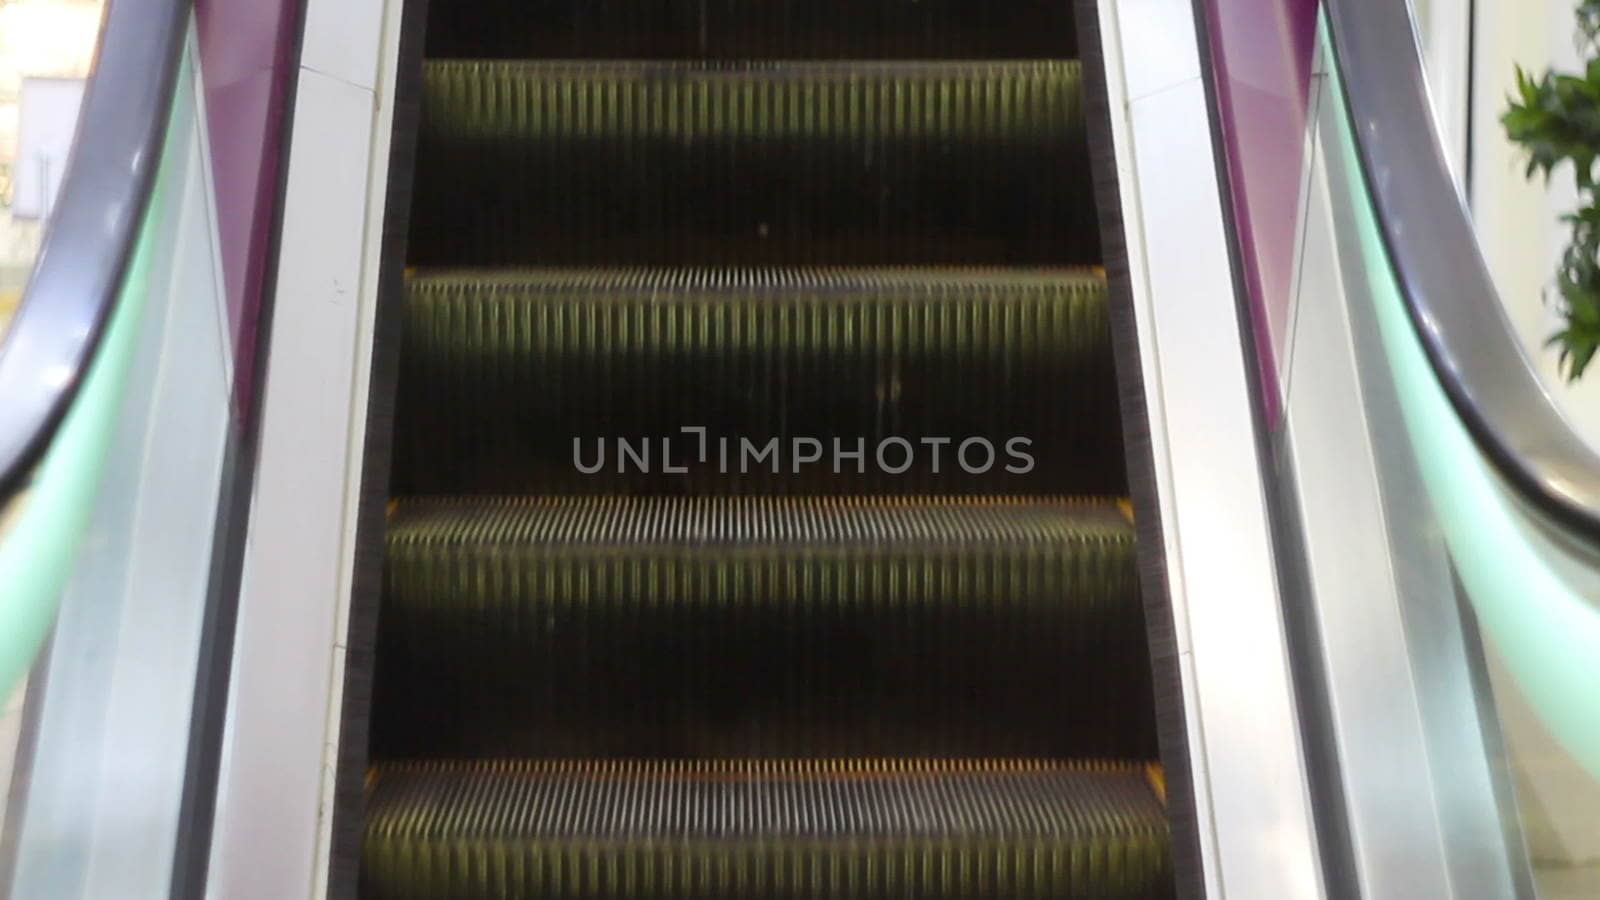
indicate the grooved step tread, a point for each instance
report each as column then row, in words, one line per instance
column 741, row 29
column 503, row 370
column 705, row 627
column 685, row 676
column 869, row 828
column 797, row 163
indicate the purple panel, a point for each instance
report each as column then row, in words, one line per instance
column 1261, row 56
column 246, row 57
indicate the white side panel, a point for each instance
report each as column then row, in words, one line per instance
column 273, row 815
column 344, row 40
column 1161, row 52
column 1257, row 835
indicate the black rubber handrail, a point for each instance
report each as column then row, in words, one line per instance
column 1433, row 249
column 122, row 129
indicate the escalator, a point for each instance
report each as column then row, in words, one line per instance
column 753, row 507
column 757, row 524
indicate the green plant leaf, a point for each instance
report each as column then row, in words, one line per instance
column 1555, row 118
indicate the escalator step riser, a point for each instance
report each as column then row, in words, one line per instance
column 797, row 163
column 857, row 829
column 741, row 29
column 503, row 371
column 746, row 627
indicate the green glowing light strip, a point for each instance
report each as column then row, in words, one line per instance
column 1546, row 632
column 38, row 551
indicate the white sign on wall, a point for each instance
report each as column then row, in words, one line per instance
column 47, row 116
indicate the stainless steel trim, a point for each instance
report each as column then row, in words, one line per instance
column 105, row 806
column 108, row 182
column 278, row 802
column 1418, row 767
column 1258, row 835
column 1442, row 274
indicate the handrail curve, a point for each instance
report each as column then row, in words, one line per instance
column 94, row 227
column 1443, row 277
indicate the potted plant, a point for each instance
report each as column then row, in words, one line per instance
column 1555, row 117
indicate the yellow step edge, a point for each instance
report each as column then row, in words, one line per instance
column 1157, row 776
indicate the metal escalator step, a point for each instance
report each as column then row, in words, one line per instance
column 503, row 370
column 759, row 627
column 797, row 163
column 742, row 29
column 845, row 829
